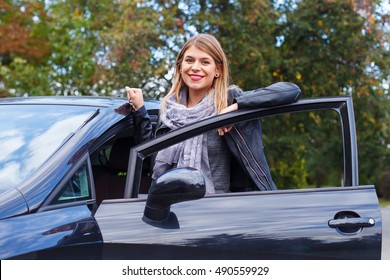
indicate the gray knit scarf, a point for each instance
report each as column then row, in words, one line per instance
column 190, row 152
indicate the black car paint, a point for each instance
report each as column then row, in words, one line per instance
column 258, row 225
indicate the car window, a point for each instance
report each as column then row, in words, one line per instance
column 29, row 134
column 77, row 188
column 302, row 149
column 110, row 160
column 109, row 166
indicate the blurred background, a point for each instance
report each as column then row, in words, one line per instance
column 328, row 48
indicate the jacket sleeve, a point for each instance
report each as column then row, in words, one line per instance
column 276, row 94
column 142, row 125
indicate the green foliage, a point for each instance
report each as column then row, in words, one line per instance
column 21, row 75
column 328, row 48
column 74, row 44
column 300, row 151
column 341, row 48
column 246, row 30
column 142, row 45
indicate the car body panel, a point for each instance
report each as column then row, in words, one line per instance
column 12, row 203
column 32, row 234
column 259, row 225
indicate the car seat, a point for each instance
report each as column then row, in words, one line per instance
column 110, row 180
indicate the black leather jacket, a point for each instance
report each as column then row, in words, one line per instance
column 245, row 139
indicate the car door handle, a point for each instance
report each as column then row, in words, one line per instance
column 351, row 222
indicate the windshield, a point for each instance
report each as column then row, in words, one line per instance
column 29, row 134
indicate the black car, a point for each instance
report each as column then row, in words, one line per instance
column 74, row 184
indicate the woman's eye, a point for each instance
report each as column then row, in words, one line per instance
column 189, row 60
column 206, row 62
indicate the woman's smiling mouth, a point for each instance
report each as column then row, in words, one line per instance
column 195, row 77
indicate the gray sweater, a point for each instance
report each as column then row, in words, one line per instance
column 219, row 162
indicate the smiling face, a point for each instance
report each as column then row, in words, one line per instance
column 198, row 71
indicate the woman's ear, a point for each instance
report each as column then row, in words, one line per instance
column 217, row 72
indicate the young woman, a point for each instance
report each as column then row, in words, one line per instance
column 200, row 90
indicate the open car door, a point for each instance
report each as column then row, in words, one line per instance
column 320, row 219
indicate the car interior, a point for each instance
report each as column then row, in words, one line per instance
column 109, row 165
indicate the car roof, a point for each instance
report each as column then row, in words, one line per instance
column 95, row 101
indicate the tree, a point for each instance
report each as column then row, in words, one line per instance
column 141, row 45
column 246, row 31
column 328, row 48
column 339, row 48
column 23, row 44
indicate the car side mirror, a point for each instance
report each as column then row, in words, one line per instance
column 174, row 186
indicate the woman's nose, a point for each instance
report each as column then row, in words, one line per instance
column 195, row 65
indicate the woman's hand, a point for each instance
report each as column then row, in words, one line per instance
column 134, row 95
column 226, row 129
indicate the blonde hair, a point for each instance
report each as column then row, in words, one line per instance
column 210, row 45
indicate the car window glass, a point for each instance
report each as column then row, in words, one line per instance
column 303, row 150
column 109, row 166
column 77, row 188
column 110, row 161
column 29, row 134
